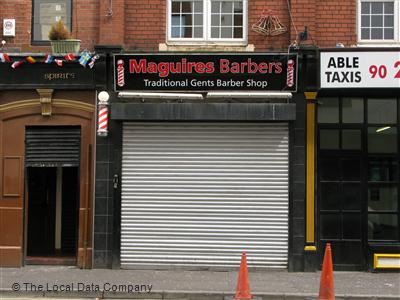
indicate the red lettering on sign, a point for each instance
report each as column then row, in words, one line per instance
column 397, row 65
column 381, row 71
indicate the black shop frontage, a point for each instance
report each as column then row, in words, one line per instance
column 206, row 159
column 205, row 156
column 357, row 134
column 209, row 155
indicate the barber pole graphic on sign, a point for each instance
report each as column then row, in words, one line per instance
column 102, row 124
column 120, row 73
column 205, row 72
column 290, row 73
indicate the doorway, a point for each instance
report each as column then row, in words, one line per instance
column 358, row 178
column 52, row 193
column 30, row 140
column 52, row 218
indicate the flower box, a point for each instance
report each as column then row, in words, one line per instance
column 65, row 46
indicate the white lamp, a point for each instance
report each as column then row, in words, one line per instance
column 103, row 97
column 102, row 113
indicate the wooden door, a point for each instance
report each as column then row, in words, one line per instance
column 13, row 120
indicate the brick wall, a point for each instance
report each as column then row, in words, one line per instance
column 140, row 25
column 329, row 22
column 337, row 22
column 112, row 23
column 21, row 11
column 303, row 14
column 145, row 24
column 85, row 21
column 85, row 24
column 256, row 9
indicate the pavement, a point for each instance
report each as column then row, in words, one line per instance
column 70, row 282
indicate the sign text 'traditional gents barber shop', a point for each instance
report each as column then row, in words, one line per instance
column 205, row 72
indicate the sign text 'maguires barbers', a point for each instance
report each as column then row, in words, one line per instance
column 204, row 72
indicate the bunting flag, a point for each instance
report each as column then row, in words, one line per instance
column 4, row 57
column 48, row 59
column 93, row 60
column 16, row 64
column 69, row 57
column 30, row 59
column 83, row 60
column 59, row 62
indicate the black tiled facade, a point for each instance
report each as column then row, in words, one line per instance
column 103, row 213
column 297, row 190
column 107, row 198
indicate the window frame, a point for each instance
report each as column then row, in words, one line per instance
column 206, row 39
column 381, row 42
column 366, row 158
column 69, row 17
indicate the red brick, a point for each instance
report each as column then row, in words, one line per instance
column 141, row 24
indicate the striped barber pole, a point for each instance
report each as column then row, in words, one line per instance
column 290, row 73
column 120, row 73
column 102, row 124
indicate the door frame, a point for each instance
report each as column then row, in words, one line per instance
column 14, row 118
column 26, row 211
column 341, row 211
column 367, row 244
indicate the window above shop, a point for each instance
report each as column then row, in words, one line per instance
column 378, row 22
column 47, row 12
column 207, row 21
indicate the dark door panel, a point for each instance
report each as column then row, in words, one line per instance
column 41, row 210
column 346, row 255
column 358, row 180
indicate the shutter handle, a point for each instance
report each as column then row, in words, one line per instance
column 115, row 181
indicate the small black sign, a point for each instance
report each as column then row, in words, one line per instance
column 40, row 74
column 205, row 72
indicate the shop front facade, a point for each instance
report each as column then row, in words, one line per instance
column 190, row 171
column 47, row 152
column 205, row 164
column 357, row 130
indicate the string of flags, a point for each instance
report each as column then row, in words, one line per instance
column 4, row 57
column 85, row 59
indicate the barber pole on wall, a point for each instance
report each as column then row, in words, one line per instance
column 290, row 73
column 120, row 73
column 102, row 129
column 102, row 113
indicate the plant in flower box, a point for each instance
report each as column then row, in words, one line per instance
column 60, row 39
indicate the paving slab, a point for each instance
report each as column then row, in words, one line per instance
column 71, row 282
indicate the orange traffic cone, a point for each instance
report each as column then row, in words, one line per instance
column 243, row 287
column 326, row 288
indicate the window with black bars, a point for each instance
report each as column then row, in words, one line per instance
column 358, row 168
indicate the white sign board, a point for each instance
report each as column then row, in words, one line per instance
column 360, row 69
column 9, row 27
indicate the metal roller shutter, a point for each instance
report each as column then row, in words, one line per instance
column 52, row 146
column 198, row 194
